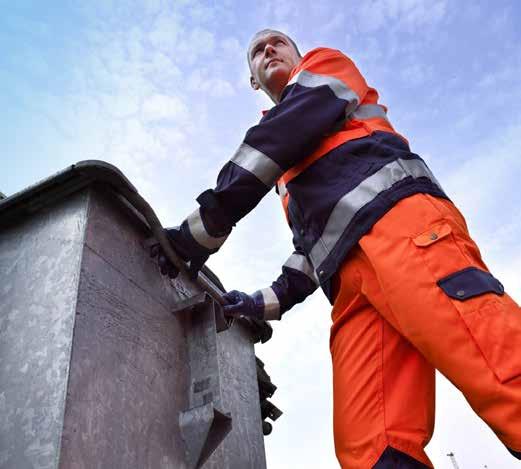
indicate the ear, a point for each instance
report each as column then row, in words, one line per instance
column 254, row 83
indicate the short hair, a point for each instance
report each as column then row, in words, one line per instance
column 266, row 31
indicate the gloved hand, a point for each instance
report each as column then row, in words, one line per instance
column 243, row 305
column 184, row 245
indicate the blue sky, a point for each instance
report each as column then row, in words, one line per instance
column 160, row 89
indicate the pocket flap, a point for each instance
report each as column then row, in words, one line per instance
column 432, row 235
column 470, row 282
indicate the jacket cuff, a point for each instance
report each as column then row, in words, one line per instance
column 200, row 234
column 217, row 220
column 267, row 302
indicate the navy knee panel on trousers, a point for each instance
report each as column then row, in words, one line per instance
column 393, row 459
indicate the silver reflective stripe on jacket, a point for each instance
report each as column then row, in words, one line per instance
column 347, row 207
column 312, row 80
column 258, row 164
column 367, row 111
column 299, row 262
column 198, row 231
column 271, row 304
column 364, row 111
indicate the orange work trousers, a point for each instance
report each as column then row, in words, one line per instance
column 394, row 324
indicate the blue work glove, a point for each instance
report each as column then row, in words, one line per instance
column 187, row 249
column 243, row 305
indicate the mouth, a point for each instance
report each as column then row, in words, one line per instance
column 272, row 61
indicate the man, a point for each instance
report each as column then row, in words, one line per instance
column 374, row 229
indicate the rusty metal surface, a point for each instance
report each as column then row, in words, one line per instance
column 39, row 272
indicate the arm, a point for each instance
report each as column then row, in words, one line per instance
column 293, row 286
column 325, row 89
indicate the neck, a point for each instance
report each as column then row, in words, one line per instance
column 274, row 96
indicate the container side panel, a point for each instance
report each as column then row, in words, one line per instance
column 118, row 237
column 129, row 371
column 244, row 446
column 39, row 269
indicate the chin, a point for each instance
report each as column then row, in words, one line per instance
column 278, row 78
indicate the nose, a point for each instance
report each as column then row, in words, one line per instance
column 269, row 50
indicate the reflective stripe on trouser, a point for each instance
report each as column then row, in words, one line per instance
column 463, row 324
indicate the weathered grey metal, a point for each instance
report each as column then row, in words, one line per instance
column 242, row 448
column 203, row 429
column 94, row 367
column 83, row 173
column 224, row 374
column 129, row 368
column 39, row 273
column 205, row 423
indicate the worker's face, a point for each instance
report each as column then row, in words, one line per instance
column 272, row 57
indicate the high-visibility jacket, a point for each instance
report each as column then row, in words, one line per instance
column 338, row 165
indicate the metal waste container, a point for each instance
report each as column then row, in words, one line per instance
column 104, row 363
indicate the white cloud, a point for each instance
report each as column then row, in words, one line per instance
column 418, row 13
column 202, row 40
column 232, row 48
column 119, row 105
column 202, row 13
column 486, row 174
column 369, row 52
column 370, row 16
column 337, row 21
column 202, row 81
column 162, row 70
column 399, row 14
column 159, row 106
column 166, row 32
column 415, row 73
column 198, row 44
column 134, row 141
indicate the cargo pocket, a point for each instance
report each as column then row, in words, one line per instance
column 470, row 282
column 493, row 319
column 440, row 251
column 433, row 235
